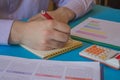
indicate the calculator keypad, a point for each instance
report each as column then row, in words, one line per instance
column 100, row 52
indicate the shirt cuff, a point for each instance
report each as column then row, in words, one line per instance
column 5, row 27
column 78, row 7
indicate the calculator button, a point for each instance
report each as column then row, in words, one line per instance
column 103, row 56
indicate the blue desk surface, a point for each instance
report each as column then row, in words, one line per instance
column 97, row 12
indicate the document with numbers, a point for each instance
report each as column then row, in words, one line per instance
column 14, row 68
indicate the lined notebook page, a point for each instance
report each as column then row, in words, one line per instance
column 72, row 44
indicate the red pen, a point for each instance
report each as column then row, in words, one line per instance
column 46, row 15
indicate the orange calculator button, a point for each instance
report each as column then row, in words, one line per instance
column 96, row 51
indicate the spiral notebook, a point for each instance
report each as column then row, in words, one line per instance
column 72, row 44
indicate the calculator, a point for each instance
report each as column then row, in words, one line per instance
column 102, row 54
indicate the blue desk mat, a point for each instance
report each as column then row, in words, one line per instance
column 97, row 12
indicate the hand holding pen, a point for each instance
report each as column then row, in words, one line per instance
column 47, row 16
column 43, row 34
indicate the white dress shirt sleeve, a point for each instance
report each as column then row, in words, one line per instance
column 79, row 7
column 5, row 26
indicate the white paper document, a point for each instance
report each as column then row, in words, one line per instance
column 104, row 31
column 14, row 68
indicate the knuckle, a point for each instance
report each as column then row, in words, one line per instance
column 68, row 29
column 47, row 33
column 51, row 23
column 44, row 43
column 65, row 37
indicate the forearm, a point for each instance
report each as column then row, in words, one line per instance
column 62, row 14
column 65, row 13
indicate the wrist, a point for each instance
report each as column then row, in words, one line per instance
column 66, row 13
column 16, row 32
column 62, row 14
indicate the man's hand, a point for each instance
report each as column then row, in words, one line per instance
column 40, row 35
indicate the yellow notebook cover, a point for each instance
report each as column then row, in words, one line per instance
column 72, row 44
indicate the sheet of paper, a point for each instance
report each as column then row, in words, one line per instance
column 14, row 68
column 98, row 30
